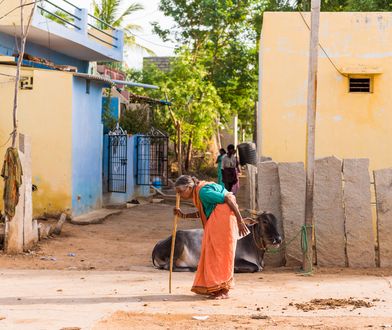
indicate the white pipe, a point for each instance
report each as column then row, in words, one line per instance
column 134, row 84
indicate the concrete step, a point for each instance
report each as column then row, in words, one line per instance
column 94, row 217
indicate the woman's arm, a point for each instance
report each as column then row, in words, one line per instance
column 230, row 200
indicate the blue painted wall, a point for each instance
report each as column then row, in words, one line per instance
column 7, row 47
column 87, row 132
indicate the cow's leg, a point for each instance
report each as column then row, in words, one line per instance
column 244, row 266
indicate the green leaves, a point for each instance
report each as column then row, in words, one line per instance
column 109, row 12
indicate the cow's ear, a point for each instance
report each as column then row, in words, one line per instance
column 250, row 221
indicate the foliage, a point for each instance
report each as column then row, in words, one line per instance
column 109, row 12
column 347, row 5
column 58, row 13
column 109, row 122
column 135, row 120
column 196, row 106
column 221, row 37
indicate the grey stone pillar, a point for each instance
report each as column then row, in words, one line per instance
column 292, row 190
column 329, row 212
column 359, row 229
column 251, row 172
column 383, row 184
column 268, row 199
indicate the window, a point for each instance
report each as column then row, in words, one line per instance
column 87, row 86
column 26, row 83
column 361, row 85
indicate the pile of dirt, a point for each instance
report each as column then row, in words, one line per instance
column 330, row 303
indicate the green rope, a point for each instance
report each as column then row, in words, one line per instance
column 304, row 239
column 279, row 249
column 304, row 248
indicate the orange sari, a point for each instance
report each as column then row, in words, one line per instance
column 216, row 265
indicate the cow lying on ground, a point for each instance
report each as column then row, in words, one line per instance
column 249, row 254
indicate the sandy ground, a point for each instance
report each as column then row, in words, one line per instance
column 109, row 283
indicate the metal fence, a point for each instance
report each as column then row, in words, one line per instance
column 118, row 160
column 152, row 158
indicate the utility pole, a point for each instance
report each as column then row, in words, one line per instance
column 310, row 132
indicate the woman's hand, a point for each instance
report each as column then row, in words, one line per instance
column 178, row 212
column 242, row 228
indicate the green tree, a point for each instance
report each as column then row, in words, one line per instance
column 221, row 36
column 369, row 5
column 195, row 108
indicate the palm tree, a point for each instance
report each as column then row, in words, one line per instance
column 108, row 11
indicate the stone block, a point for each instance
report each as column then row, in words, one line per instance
column 329, row 213
column 383, row 184
column 358, row 215
column 268, row 199
column 292, row 190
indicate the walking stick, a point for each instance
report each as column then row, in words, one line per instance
column 173, row 241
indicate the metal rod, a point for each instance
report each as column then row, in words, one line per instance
column 101, row 40
column 102, row 31
column 99, row 20
column 60, row 18
column 65, row 11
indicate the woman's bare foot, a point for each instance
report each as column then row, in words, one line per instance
column 222, row 294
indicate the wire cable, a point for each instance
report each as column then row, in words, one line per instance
column 321, row 47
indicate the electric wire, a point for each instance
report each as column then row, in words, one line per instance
column 321, row 47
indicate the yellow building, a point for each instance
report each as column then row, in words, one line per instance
column 354, row 98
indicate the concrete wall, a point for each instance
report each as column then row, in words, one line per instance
column 349, row 125
column 87, row 132
column 45, row 116
column 7, row 47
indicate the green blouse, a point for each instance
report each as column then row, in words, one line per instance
column 211, row 195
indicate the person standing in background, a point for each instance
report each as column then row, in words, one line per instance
column 230, row 168
column 222, row 153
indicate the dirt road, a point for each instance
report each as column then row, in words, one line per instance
column 101, row 277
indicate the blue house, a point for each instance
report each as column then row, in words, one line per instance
column 60, row 101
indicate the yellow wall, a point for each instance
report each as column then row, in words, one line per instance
column 45, row 114
column 348, row 124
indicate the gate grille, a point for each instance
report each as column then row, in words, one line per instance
column 117, row 163
column 152, row 160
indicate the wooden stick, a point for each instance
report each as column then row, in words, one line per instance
column 173, row 242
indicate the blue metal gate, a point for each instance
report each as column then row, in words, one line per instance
column 152, row 158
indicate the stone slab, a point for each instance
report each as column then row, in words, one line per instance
column 30, row 235
column 358, row 222
column 268, row 199
column 383, row 184
column 329, row 213
column 251, row 173
column 94, row 217
column 292, row 190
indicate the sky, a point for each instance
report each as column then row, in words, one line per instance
column 145, row 37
